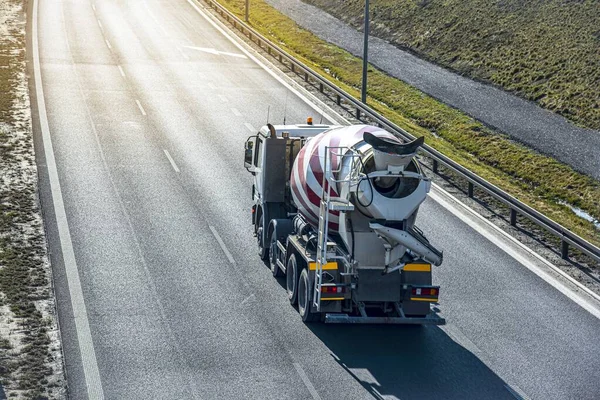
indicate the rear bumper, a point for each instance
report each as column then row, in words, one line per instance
column 431, row 319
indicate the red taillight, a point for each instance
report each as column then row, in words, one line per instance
column 332, row 289
column 425, row 291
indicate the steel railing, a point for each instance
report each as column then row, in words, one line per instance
column 516, row 207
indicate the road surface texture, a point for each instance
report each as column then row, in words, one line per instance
column 522, row 120
column 148, row 106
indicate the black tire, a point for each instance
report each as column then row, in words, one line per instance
column 273, row 251
column 291, row 278
column 305, row 292
column 261, row 232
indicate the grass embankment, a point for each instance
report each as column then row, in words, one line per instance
column 537, row 180
column 30, row 366
column 547, row 51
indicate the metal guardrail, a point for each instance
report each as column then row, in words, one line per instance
column 516, row 207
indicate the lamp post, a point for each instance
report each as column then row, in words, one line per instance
column 247, row 10
column 365, row 55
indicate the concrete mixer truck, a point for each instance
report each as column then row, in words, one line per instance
column 334, row 210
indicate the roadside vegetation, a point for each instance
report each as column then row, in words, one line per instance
column 537, row 180
column 547, row 51
column 30, row 354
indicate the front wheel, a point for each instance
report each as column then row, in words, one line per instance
column 263, row 250
column 273, row 253
column 305, row 292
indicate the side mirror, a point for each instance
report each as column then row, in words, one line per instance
column 249, row 154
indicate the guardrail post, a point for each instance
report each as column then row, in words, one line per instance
column 321, row 87
column 470, row 190
column 293, row 68
column 513, row 217
column 358, row 113
column 435, row 166
column 338, row 100
column 306, row 77
column 280, row 59
column 268, row 49
column 564, row 250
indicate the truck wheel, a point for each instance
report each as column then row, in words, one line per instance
column 291, row 279
column 273, row 253
column 263, row 251
column 305, row 293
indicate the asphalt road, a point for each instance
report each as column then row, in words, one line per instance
column 148, row 107
column 522, row 120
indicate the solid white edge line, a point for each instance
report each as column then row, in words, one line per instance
column 171, row 161
column 140, row 107
column 100, row 25
column 108, row 44
column 121, row 71
column 82, row 327
column 222, row 244
column 223, row 98
column 236, row 112
column 250, row 127
column 94, row 7
column 307, row 382
column 498, row 237
column 311, row 104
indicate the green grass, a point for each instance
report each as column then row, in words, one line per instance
column 547, row 51
column 535, row 179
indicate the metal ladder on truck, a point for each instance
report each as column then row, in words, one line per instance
column 330, row 203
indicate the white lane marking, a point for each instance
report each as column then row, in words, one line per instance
column 164, row 31
column 216, row 52
column 511, row 246
column 94, row 7
column 140, row 107
column 236, row 42
column 250, row 127
column 307, row 382
column 247, row 299
column 82, row 326
column 222, row 244
column 171, row 161
column 236, row 112
column 108, row 44
column 100, row 25
column 223, row 98
column 211, row 86
column 183, row 54
column 121, row 71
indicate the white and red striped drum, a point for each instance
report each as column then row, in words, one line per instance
column 307, row 174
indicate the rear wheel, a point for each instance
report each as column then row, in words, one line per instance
column 291, row 279
column 273, row 254
column 263, row 250
column 305, row 291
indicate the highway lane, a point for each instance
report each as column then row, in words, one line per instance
column 171, row 316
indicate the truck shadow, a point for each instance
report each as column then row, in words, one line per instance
column 410, row 362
